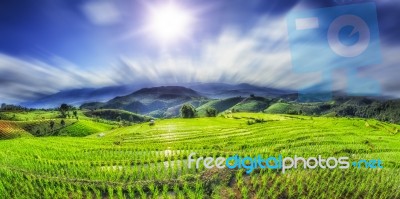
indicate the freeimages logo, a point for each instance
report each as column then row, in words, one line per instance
column 335, row 37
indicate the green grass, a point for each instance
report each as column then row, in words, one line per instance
column 280, row 108
column 143, row 161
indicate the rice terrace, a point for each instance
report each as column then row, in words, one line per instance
column 150, row 161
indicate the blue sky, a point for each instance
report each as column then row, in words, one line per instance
column 47, row 46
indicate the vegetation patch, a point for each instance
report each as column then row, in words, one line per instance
column 117, row 115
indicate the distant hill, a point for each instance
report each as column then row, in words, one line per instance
column 150, row 100
column 165, row 101
column 388, row 110
column 220, row 105
column 77, row 97
column 223, row 91
column 384, row 110
column 253, row 104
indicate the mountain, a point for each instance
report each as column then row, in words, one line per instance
column 77, row 97
column 222, row 91
column 152, row 100
column 165, row 101
column 80, row 96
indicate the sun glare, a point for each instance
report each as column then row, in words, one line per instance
column 169, row 22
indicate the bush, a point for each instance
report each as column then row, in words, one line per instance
column 188, row 111
column 252, row 121
column 211, row 112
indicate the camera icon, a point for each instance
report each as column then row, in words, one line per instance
column 334, row 37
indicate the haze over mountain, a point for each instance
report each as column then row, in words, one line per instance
column 77, row 97
column 221, row 90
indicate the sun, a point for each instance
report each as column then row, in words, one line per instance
column 169, row 22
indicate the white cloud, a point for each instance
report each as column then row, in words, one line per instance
column 101, row 12
column 29, row 78
column 261, row 56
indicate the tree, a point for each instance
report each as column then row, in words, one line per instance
column 51, row 124
column 63, row 110
column 211, row 112
column 62, row 123
column 188, row 111
column 75, row 114
column 124, row 123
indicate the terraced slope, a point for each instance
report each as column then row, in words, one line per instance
column 10, row 130
column 151, row 161
column 252, row 104
column 40, row 128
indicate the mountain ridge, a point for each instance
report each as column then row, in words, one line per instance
column 147, row 100
column 80, row 96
